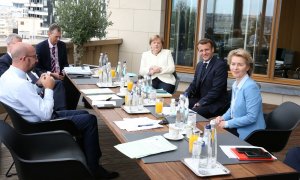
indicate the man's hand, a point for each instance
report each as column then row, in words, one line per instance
column 57, row 76
column 47, row 81
column 196, row 105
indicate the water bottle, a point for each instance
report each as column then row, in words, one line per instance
column 124, row 70
column 100, row 70
column 140, row 95
column 109, row 75
column 214, row 145
column 197, row 148
column 186, row 109
column 203, row 157
column 105, row 59
column 119, row 71
column 173, row 107
column 104, row 75
column 100, row 60
column 178, row 117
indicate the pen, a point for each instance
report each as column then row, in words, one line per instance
column 145, row 125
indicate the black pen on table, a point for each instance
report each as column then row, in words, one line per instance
column 142, row 125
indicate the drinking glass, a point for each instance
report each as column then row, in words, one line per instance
column 194, row 137
column 159, row 106
column 129, row 85
column 113, row 72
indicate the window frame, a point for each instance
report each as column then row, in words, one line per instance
column 268, row 77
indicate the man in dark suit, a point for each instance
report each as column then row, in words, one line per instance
column 52, row 54
column 52, row 57
column 6, row 61
column 207, row 92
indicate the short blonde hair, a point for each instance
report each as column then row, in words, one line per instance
column 243, row 54
column 155, row 37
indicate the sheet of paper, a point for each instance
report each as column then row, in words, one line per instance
column 97, row 91
column 145, row 147
column 100, row 97
column 137, row 124
column 103, row 103
column 114, row 96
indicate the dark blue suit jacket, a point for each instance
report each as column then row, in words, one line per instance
column 5, row 62
column 211, row 89
column 44, row 57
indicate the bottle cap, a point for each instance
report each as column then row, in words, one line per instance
column 207, row 126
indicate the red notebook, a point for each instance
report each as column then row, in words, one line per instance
column 242, row 156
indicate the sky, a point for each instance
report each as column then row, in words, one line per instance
column 9, row 2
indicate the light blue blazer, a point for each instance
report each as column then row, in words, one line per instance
column 247, row 110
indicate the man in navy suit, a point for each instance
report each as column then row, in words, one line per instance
column 207, row 92
column 52, row 54
column 52, row 57
column 6, row 61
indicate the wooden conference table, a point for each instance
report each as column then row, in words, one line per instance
column 177, row 170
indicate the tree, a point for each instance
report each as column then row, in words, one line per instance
column 82, row 20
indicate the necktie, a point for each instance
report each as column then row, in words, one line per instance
column 33, row 78
column 53, row 63
column 203, row 69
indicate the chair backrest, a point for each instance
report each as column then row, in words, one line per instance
column 285, row 117
column 20, row 124
column 9, row 137
column 32, row 163
column 176, row 82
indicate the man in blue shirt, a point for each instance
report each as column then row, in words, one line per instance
column 22, row 97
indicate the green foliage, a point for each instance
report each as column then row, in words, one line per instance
column 82, row 19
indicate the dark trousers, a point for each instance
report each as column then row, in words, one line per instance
column 59, row 96
column 87, row 124
column 202, row 110
column 292, row 158
column 158, row 84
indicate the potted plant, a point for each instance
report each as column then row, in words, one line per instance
column 82, row 20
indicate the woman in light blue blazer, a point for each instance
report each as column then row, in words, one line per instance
column 245, row 113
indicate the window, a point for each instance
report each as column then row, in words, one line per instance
column 183, row 26
column 268, row 29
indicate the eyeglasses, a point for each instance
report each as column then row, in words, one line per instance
column 33, row 56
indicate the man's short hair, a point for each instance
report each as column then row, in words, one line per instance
column 54, row 26
column 206, row 41
column 11, row 37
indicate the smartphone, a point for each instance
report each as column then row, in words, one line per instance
column 263, row 154
column 243, row 150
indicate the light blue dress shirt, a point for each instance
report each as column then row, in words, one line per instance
column 17, row 92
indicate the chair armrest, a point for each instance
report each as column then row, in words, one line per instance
column 272, row 140
column 58, row 124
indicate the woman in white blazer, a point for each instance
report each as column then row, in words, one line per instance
column 159, row 64
column 245, row 113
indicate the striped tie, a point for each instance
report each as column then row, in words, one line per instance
column 53, row 64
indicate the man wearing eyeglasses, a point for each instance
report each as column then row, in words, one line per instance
column 22, row 97
column 6, row 61
column 52, row 54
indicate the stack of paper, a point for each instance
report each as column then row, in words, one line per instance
column 137, row 124
column 84, row 70
column 97, row 91
column 145, row 147
column 103, row 97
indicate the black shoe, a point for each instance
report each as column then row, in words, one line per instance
column 104, row 174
